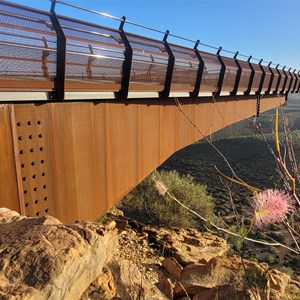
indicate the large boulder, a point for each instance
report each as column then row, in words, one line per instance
column 40, row 258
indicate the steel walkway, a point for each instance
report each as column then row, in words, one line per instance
column 86, row 111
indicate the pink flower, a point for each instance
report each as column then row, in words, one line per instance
column 161, row 188
column 271, row 206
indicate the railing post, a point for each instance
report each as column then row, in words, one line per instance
column 279, row 80
column 238, row 75
column 171, row 63
column 261, row 84
column 285, row 80
column 271, row 79
column 126, row 67
column 91, row 59
column 251, row 76
column 45, row 56
column 59, row 81
column 195, row 93
column 222, row 74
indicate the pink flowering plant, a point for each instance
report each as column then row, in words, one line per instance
column 271, row 206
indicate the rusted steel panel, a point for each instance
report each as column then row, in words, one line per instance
column 185, row 131
column 26, row 84
column 32, row 141
column 8, row 177
column 78, row 135
column 93, row 154
column 204, row 120
column 269, row 103
column 167, row 140
column 148, row 138
column 122, row 149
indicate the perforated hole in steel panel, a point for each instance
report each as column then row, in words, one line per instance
column 27, row 44
column 34, row 165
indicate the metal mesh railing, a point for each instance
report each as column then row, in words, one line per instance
column 27, row 45
column 43, row 51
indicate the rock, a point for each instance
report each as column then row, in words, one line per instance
column 221, row 293
column 121, row 279
column 279, row 281
column 191, row 246
column 40, row 258
column 172, row 266
column 103, row 287
column 228, row 278
column 111, row 225
column 166, row 287
column 7, row 215
column 130, row 282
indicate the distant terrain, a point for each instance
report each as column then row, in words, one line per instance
column 250, row 158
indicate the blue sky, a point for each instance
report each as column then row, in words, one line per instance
column 267, row 29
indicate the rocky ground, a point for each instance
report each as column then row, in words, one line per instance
column 41, row 258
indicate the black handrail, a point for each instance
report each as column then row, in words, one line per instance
column 251, row 76
column 271, row 78
column 196, row 91
column 171, row 62
column 222, row 73
column 59, row 81
column 126, row 67
column 262, row 80
column 285, row 80
column 238, row 75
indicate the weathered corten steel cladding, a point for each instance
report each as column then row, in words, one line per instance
column 75, row 159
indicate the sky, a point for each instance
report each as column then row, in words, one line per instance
column 267, row 29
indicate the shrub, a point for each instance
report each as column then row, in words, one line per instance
column 271, row 259
column 146, row 205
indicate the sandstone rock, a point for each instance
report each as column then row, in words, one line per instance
column 40, row 258
column 121, row 279
column 191, row 246
column 165, row 286
column 103, row 287
column 7, row 215
column 172, row 266
column 279, row 281
column 226, row 278
column 222, row 293
column 130, row 282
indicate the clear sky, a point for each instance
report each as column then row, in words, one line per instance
column 267, row 29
